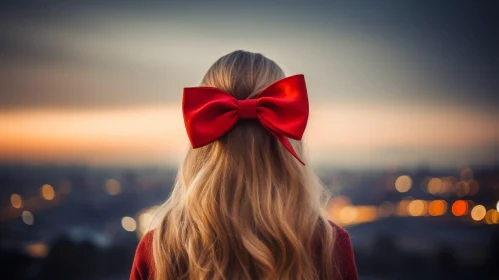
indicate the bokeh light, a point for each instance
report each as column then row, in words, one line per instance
column 437, row 207
column 492, row 217
column 403, row 183
column 417, row 207
column 16, row 201
column 37, row 250
column 335, row 205
column 113, row 187
column 366, row 214
column 478, row 212
column 348, row 214
column 128, row 223
column 47, row 192
column 27, row 218
column 435, row 186
column 147, row 220
column 459, row 208
column 495, row 216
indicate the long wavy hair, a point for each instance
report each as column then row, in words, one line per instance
column 243, row 207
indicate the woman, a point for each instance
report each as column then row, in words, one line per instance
column 245, row 205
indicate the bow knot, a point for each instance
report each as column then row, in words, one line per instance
column 247, row 108
column 282, row 108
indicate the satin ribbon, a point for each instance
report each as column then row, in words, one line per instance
column 282, row 108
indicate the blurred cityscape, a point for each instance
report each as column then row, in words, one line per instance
column 62, row 222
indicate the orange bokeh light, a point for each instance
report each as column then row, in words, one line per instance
column 459, row 208
column 47, row 192
column 437, row 208
column 16, row 201
column 492, row 217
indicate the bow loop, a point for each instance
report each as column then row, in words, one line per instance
column 282, row 108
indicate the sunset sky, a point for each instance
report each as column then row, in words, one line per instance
column 389, row 84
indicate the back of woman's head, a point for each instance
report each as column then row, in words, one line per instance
column 243, row 207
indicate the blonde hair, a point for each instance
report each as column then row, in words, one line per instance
column 243, row 207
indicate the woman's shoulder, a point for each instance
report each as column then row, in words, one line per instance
column 142, row 262
column 341, row 233
column 343, row 253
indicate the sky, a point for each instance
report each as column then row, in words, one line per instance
column 390, row 83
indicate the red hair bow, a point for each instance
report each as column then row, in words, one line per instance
column 282, row 108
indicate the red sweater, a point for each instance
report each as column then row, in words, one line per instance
column 142, row 263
